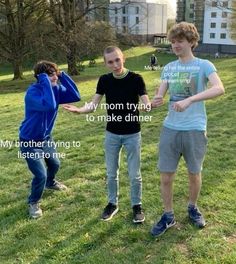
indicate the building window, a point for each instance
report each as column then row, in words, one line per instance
column 136, row 10
column 212, row 35
column 116, row 10
column 124, row 20
column 191, row 6
column 137, row 20
column 224, row 14
column 223, row 25
column 213, row 14
column 123, row 10
column 191, row 15
column 225, row 4
column 213, row 25
column 136, row 30
column 223, row 35
column 214, row 4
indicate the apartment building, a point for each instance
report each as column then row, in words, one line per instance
column 141, row 19
column 191, row 11
column 217, row 23
column 185, row 11
column 212, row 18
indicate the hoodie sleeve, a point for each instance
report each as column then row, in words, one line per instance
column 68, row 91
column 40, row 96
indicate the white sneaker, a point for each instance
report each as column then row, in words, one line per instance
column 35, row 211
column 57, row 186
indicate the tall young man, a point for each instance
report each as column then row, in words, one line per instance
column 122, row 88
column 184, row 130
column 37, row 146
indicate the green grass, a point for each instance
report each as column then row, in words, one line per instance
column 70, row 230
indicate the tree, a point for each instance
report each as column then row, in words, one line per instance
column 76, row 30
column 18, row 19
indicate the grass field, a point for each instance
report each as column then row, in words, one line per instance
column 71, row 231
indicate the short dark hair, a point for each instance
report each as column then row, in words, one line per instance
column 111, row 49
column 44, row 66
column 184, row 30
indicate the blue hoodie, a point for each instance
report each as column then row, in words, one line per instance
column 41, row 105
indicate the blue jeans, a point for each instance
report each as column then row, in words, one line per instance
column 43, row 163
column 132, row 145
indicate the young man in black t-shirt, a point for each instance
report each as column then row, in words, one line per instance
column 122, row 89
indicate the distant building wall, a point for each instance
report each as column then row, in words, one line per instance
column 213, row 48
column 191, row 11
column 217, row 24
column 139, row 19
column 212, row 19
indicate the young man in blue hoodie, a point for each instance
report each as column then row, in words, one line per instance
column 37, row 146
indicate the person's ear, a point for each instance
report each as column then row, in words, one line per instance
column 192, row 44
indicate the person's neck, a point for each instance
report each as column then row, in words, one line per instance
column 122, row 75
column 186, row 58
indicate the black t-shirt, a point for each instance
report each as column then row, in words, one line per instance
column 122, row 98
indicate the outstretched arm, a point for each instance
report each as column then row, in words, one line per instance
column 160, row 93
column 216, row 89
column 87, row 108
column 146, row 103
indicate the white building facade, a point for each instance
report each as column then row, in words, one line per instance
column 139, row 18
column 217, row 23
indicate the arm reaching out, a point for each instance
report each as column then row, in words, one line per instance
column 146, row 102
column 160, row 93
column 87, row 108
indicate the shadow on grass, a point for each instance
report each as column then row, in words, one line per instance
column 136, row 63
column 20, row 86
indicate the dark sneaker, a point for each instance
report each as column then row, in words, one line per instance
column 160, row 227
column 196, row 217
column 109, row 211
column 58, row 186
column 35, row 211
column 138, row 215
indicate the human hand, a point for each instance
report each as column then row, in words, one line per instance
column 157, row 101
column 71, row 108
column 180, row 106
